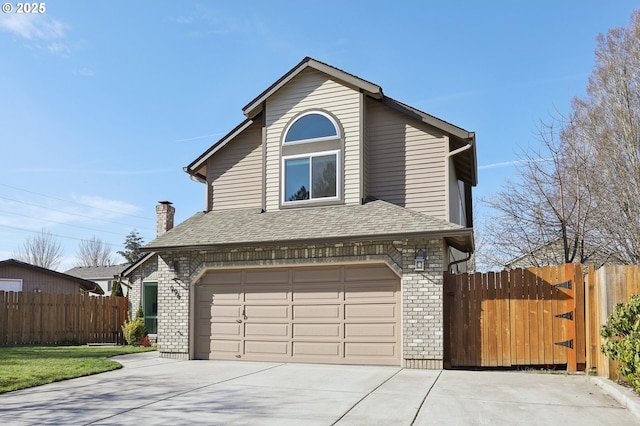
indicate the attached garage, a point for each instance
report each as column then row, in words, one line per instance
column 348, row 314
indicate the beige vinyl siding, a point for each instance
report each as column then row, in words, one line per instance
column 405, row 161
column 313, row 90
column 235, row 172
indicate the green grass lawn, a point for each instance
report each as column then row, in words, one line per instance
column 26, row 366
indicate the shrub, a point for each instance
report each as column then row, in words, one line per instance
column 622, row 339
column 134, row 331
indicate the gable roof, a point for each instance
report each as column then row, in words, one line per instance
column 85, row 284
column 376, row 220
column 133, row 266
column 96, row 272
column 465, row 162
column 255, row 106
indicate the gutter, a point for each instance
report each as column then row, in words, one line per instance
column 469, row 145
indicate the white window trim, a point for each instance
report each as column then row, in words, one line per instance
column 17, row 282
column 324, row 138
column 310, row 155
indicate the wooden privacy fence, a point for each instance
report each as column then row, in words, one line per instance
column 519, row 317
column 610, row 286
column 48, row 319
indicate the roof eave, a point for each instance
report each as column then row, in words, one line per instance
column 453, row 236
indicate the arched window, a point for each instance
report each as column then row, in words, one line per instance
column 311, row 166
column 310, row 127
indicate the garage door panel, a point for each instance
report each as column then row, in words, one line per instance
column 370, row 350
column 270, row 348
column 266, row 293
column 226, row 295
column 266, row 276
column 319, row 312
column 225, row 346
column 368, row 273
column 371, row 311
column 314, row 331
column 313, row 293
column 384, row 291
column 320, row 349
column 266, row 330
column 381, row 331
column 315, row 275
column 226, row 329
column 261, row 312
column 223, row 312
column 222, row 277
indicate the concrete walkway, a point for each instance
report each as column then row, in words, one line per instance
column 152, row 390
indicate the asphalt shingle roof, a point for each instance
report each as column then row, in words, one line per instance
column 377, row 219
column 96, row 272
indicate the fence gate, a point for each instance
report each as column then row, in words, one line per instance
column 517, row 317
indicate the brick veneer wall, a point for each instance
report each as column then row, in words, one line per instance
column 422, row 319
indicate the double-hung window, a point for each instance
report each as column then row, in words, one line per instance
column 311, row 159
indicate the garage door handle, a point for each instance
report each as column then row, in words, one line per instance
column 238, row 320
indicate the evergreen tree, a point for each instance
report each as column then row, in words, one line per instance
column 132, row 245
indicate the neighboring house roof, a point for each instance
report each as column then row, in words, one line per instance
column 376, row 220
column 85, row 284
column 97, row 272
column 466, row 162
column 552, row 253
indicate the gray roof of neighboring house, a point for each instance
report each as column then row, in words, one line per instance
column 376, row 220
column 97, row 272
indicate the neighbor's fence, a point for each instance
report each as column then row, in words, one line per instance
column 611, row 285
column 49, row 319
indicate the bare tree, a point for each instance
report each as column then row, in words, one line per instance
column 577, row 197
column 41, row 250
column 608, row 122
column 548, row 214
column 93, row 252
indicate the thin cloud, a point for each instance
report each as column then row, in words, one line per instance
column 115, row 207
column 452, row 96
column 199, row 137
column 93, row 172
column 512, row 163
column 37, row 28
column 84, row 72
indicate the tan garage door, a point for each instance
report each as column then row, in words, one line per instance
column 339, row 314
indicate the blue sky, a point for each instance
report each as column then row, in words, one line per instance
column 103, row 102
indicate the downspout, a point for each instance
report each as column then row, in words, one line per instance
column 447, row 159
column 468, row 146
column 455, row 262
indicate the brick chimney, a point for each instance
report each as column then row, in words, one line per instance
column 164, row 217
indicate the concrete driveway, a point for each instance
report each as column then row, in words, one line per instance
column 152, row 390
